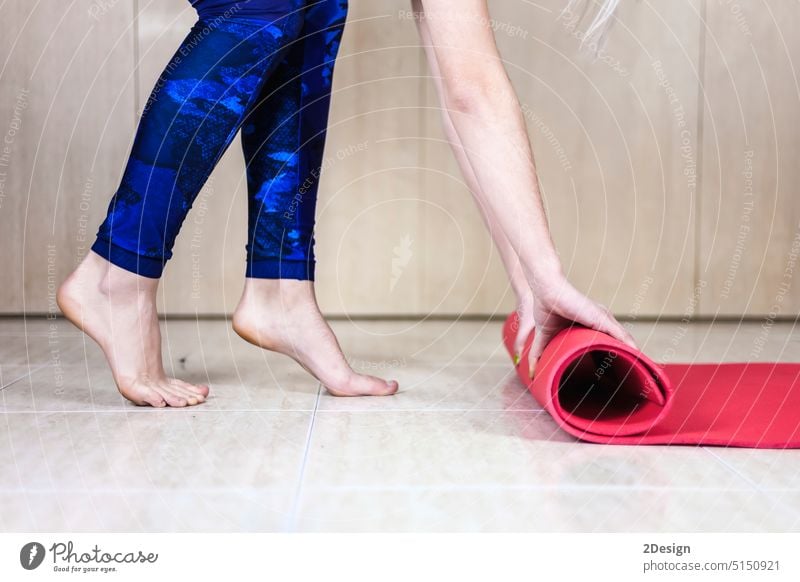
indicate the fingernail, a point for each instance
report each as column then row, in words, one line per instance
column 517, row 359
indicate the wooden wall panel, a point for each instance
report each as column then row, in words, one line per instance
column 66, row 116
column 646, row 194
column 750, row 216
column 370, row 236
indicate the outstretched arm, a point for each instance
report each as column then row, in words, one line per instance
column 486, row 128
column 519, row 283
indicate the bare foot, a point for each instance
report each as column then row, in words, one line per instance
column 117, row 309
column 282, row 315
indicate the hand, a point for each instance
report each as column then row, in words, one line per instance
column 558, row 305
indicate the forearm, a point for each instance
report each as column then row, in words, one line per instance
column 488, row 121
column 491, row 130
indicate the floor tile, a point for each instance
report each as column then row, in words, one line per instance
column 771, row 469
column 40, row 348
column 428, row 386
column 247, row 510
column 11, row 374
column 543, row 510
column 241, row 376
column 157, row 450
column 462, row 447
column 488, row 449
column 280, row 385
column 379, row 344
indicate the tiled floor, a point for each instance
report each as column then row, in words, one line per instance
column 463, row 447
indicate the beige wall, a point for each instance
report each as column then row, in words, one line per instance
column 669, row 163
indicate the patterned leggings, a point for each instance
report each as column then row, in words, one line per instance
column 262, row 66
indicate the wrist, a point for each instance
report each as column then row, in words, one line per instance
column 545, row 268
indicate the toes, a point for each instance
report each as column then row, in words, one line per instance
column 142, row 395
column 200, row 389
column 187, row 391
column 372, row 386
column 172, row 398
column 191, row 398
column 159, row 394
column 195, row 389
column 363, row 386
column 156, row 401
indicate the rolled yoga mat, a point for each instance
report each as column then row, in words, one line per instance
column 602, row 391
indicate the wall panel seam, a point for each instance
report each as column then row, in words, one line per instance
column 701, row 112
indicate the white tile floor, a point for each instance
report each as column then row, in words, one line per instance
column 463, row 447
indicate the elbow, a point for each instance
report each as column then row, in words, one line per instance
column 469, row 96
column 478, row 96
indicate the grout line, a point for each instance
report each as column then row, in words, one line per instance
column 195, row 410
column 433, row 410
column 240, row 490
column 30, row 372
column 436, row 318
column 161, row 411
column 481, row 487
column 758, row 488
column 731, row 468
column 298, row 492
column 37, row 334
column 501, row 487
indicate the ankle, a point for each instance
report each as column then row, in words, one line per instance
column 96, row 274
column 285, row 294
column 114, row 283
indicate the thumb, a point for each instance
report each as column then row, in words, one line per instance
column 540, row 341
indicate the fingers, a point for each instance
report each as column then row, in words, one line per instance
column 540, row 340
column 626, row 337
column 583, row 310
column 614, row 328
column 604, row 321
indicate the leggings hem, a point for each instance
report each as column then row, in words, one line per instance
column 130, row 261
column 281, row 269
column 254, row 20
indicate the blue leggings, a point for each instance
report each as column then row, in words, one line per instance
column 262, row 66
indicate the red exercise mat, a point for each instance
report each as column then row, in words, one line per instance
column 600, row 390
